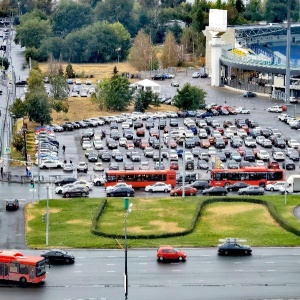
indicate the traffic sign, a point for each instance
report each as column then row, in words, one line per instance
column 7, row 150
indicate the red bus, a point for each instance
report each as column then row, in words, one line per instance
column 140, row 178
column 251, row 175
column 15, row 266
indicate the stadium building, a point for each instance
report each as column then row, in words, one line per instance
column 253, row 58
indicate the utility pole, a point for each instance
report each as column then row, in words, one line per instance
column 183, row 169
column 288, row 53
column 47, row 215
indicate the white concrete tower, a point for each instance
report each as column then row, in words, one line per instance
column 217, row 27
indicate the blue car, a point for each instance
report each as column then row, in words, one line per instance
column 179, row 152
column 206, row 114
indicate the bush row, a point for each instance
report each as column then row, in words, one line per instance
column 271, row 208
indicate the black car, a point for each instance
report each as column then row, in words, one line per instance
column 121, row 192
column 249, row 155
column 233, row 247
column 93, row 156
column 249, row 94
column 76, row 191
column 200, row 184
column 67, row 127
column 106, row 156
column 21, row 83
column 279, row 142
column 113, row 166
column 128, row 166
column 158, row 77
column 236, row 142
column 12, row 204
column 56, row 256
column 222, row 156
column 232, row 164
column 288, row 165
column 236, row 186
column 64, row 181
column 215, row 191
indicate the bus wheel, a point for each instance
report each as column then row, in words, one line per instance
column 23, row 280
column 226, row 184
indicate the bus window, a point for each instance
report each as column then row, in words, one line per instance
column 111, row 178
column 14, row 267
column 23, row 269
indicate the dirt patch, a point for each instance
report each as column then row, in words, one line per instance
column 161, row 226
column 82, row 222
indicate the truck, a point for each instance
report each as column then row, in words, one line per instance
column 292, row 185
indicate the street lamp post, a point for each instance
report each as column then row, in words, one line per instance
column 47, row 215
column 125, row 247
column 118, row 50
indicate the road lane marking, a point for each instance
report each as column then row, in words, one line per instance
column 78, row 265
column 204, row 255
column 174, row 263
column 110, row 264
column 176, row 270
column 271, row 270
column 237, row 262
column 78, row 271
column 238, row 270
column 110, row 271
column 207, row 262
column 269, row 262
column 111, row 256
column 143, row 256
column 142, row 263
column 80, row 257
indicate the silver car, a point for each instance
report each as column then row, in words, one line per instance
column 251, row 190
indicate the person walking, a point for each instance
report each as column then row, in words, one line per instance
column 71, row 162
column 1, row 171
column 64, row 149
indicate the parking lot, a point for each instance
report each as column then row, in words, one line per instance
column 258, row 108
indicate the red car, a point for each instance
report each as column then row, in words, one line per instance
column 204, row 143
column 174, row 165
column 170, row 253
column 188, row 191
column 220, row 129
column 241, row 150
column 144, row 144
column 173, row 144
column 140, row 132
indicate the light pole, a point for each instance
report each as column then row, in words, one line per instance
column 47, row 215
column 125, row 247
column 118, row 50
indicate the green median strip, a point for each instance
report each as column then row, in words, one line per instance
column 189, row 222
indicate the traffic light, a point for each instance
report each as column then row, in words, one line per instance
column 32, row 183
column 44, row 218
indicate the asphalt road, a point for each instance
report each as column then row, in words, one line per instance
column 269, row 273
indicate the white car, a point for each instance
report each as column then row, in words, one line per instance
column 158, row 187
column 144, row 165
column 202, row 123
column 189, row 133
column 88, row 82
column 74, row 94
column 118, row 185
column 99, row 181
column 250, row 142
column 275, row 108
column 260, row 163
column 98, row 144
column 98, row 166
column 78, row 81
column 274, row 186
column 242, row 133
column 293, row 143
column 50, row 163
column 86, row 144
column 259, row 139
column 196, row 75
column 125, row 125
column 64, row 188
column 68, row 167
column 188, row 156
column 242, row 110
column 84, row 93
column 266, row 143
column 212, row 151
column 278, row 155
column 173, row 155
column 263, row 155
column 202, row 133
column 122, row 141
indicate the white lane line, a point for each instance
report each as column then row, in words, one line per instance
column 143, row 256
column 143, row 263
column 110, row 271
column 78, row 265
column 111, row 256
column 176, row 270
column 271, row 270
column 110, row 264
column 77, row 271
column 238, row 270
column 269, row 262
column 237, row 262
column 80, row 257
column 207, row 262
column 204, row 255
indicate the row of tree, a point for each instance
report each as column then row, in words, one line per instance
column 101, row 31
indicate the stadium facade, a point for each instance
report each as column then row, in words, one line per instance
column 253, row 57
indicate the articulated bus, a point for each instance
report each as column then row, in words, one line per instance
column 140, row 178
column 251, row 175
column 15, row 266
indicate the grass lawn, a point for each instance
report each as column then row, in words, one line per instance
column 71, row 220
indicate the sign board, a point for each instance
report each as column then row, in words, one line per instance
column 7, row 150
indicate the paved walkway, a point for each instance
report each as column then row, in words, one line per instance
column 296, row 212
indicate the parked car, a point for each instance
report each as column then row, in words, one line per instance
column 275, row 186
column 50, row 163
column 158, row 187
column 65, row 180
column 251, row 190
column 200, row 184
column 57, row 256
column 215, row 191
column 249, row 94
column 82, row 167
column 175, row 83
column 170, row 253
column 236, row 186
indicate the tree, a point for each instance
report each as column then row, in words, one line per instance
column 189, row 97
column 31, row 32
column 113, row 94
column 69, row 16
column 143, row 99
column 59, row 87
column 35, row 80
column 70, row 72
column 142, row 55
column 38, row 106
column 170, row 55
column 18, row 108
